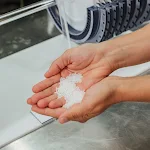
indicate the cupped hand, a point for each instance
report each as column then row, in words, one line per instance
column 96, row 100
column 88, row 60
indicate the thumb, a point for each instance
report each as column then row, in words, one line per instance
column 58, row 65
column 75, row 113
column 89, row 81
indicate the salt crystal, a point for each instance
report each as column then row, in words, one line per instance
column 69, row 90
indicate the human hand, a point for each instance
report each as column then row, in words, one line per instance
column 96, row 100
column 88, row 60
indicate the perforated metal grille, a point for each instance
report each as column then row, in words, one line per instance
column 106, row 19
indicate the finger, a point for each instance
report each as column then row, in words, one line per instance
column 45, row 102
column 57, row 103
column 46, row 83
column 38, row 96
column 29, row 101
column 73, row 114
column 89, row 80
column 49, row 112
column 87, row 83
column 58, row 65
column 65, row 73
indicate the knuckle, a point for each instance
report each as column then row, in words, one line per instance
column 54, row 87
column 89, row 108
column 84, row 118
column 35, row 98
column 82, row 121
column 87, row 117
column 74, row 117
column 46, row 111
column 48, row 90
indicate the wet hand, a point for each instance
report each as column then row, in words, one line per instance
column 96, row 100
column 88, row 60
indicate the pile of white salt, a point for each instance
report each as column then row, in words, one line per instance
column 69, row 90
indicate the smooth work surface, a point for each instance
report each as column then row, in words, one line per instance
column 122, row 127
column 18, row 73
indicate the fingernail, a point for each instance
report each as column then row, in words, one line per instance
column 63, row 120
column 29, row 100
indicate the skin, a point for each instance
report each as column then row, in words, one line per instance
column 95, row 62
column 101, row 96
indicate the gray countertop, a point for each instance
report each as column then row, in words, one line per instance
column 125, row 126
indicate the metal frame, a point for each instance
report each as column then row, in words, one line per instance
column 145, row 14
column 114, row 18
column 25, row 11
column 133, row 20
column 104, row 20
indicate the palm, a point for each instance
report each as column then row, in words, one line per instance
column 97, row 98
column 85, row 60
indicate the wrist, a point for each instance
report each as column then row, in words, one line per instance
column 114, row 54
column 128, row 50
column 107, row 52
column 124, row 90
column 120, row 89
column 135, row 89
column 113, row 84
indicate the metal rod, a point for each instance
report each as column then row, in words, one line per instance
column 26, row 8
column 32, row 11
